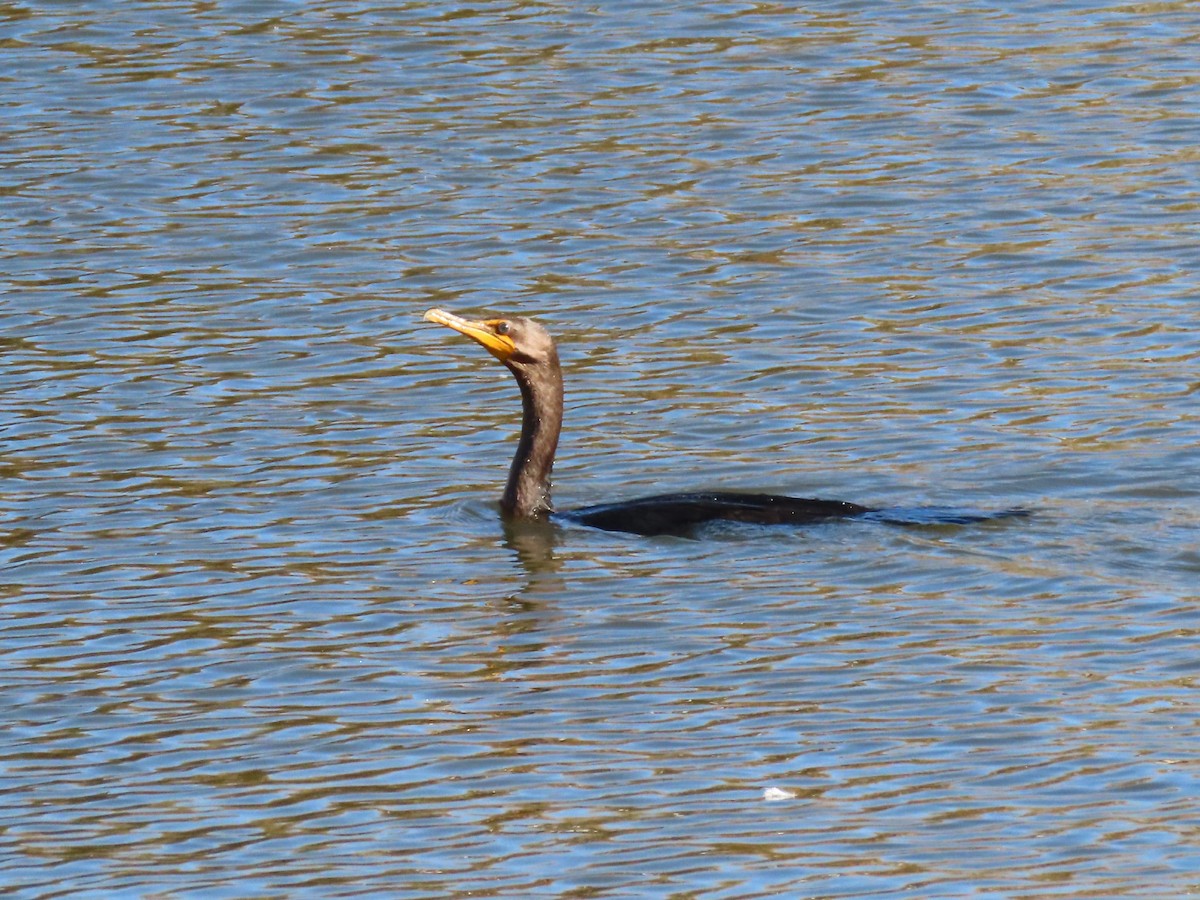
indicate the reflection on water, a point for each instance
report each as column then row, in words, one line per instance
column 265, row 633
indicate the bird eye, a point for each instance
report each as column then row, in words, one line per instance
column 501, row 328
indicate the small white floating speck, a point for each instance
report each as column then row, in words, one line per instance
column 772, row 794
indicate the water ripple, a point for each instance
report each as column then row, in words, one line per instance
column 265, row 633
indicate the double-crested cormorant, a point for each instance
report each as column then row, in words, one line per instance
column 528, row 351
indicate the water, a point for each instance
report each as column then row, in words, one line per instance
column 265, row 634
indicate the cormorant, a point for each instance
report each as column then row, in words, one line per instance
column 529, row 352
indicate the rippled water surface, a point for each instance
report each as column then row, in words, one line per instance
column 264, row 631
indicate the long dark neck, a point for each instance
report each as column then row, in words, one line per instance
column 528, row 490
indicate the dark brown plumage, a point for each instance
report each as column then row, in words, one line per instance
column 529, row 352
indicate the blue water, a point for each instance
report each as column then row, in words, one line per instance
column 265, row 632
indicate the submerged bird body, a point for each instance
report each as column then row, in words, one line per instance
column 529, row 352
column 682, row 514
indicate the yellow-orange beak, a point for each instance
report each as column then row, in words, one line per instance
column 500, row 346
